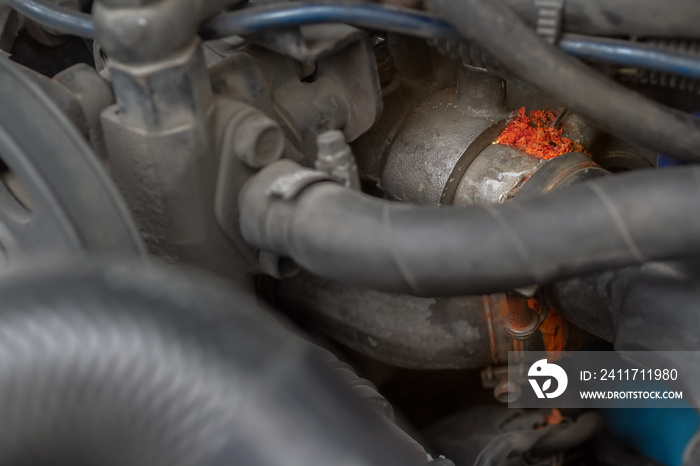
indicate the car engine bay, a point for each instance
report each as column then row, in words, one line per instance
column 293, row 233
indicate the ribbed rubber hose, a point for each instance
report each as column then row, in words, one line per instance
column 131, row 365
column 344, row 235
column 499, row 30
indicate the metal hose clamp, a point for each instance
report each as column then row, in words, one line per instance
column 548, row 19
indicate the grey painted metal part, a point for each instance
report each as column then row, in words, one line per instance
column 431, row 141
column 442, row 137
column 495, row 176
column 342, row 92
column 445, row 152
column 166, row 136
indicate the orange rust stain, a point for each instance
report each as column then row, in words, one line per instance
column 555, row 417
column 533, row 304
column 536, row 135
column 554, row 329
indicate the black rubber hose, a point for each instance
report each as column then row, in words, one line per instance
column 499, row 31
column 401, row 330
column 657, row 325
column 595, row 302
column 591, row 301
column 598, row 225
column 368, row 392
column 125, row 364
column 658, row 311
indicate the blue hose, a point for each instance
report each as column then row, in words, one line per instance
column 369, row 16
column 63, row 20
column 659, row 433
column 378, row 17
column 632, row 54
column 372, row 16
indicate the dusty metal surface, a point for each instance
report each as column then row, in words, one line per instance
column 429, row 145
column 495, row 175
column 341, row 92
column 561, row 172
column 442, row 137
column 422, row 75
column 402, row 330
column 309, row 43
column 478, row 145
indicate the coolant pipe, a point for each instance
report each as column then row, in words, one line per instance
column 464, row 332
column 350, row 237
column 604, row 304
column 123, row 363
